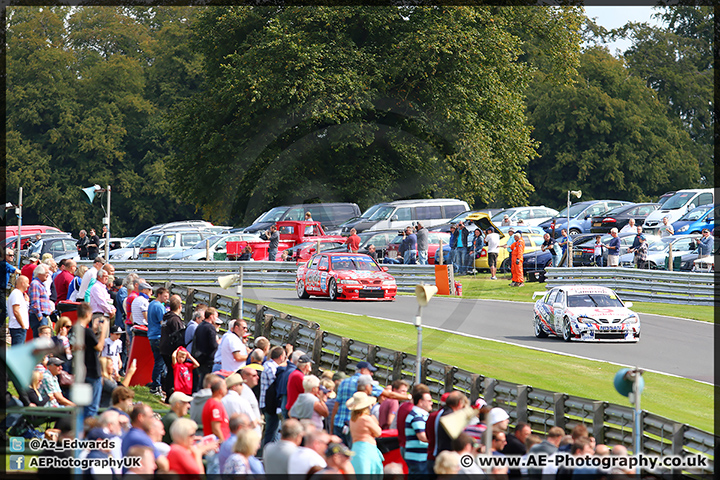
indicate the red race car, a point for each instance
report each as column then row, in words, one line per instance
column 348, row 276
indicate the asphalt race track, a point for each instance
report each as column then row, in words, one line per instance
column 667, row 345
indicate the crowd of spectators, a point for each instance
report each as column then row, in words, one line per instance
column 236, row 405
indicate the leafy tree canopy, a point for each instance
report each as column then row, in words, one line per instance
column 359, row 104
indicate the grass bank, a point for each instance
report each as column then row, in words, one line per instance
column 676, row 398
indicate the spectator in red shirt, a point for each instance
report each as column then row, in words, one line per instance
column 183, row 364
column 28, row 269
column 185, row 457
column 353, row 241
column 295, row 380
column 64, row 278
column 403, row 411
column 389, row 406
column 214, row 417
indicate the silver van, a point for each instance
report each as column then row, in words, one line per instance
column 678, row 205
column 162, row 244
column 401, row 213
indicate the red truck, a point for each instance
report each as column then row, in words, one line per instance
column 291, row 234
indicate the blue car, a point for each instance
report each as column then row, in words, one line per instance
column 695, row 220
column 581, row 214
column 535, row 263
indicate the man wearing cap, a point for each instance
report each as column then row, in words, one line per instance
column 233, row 346
column 91, row 273
column 18, row 304
column 40, row 306
column 338, row 458
column 295, row 380
column 205, row 343
column 340, row 415
column 49, row 386
column 276, row 455
column 179, row 407
column 155, row 314
column 28, row 269
column 113, row 347
column 233, row 400
column 141, row 303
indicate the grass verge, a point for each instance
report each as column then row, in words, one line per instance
column 679, row 399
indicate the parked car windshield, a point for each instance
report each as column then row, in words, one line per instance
column 593, row 300
column 574, row 211
column 272, row 215
column 696, row 213
column 382, row 213
column 354, row 263
column 137, row 241
column 203, row 245
column 678, row 200
column 369, row 212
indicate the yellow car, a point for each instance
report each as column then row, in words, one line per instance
column 533, row 241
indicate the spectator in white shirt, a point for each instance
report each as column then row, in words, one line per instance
column 233, row 400
column 100, row 300
column 140, row 304
column 233, row 347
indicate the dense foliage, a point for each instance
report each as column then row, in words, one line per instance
column 223, row 112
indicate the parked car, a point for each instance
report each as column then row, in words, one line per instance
column 12, row 230
column 664, row 197
column 580, row 215
column 445, row 227
column 678, row 205
column 348, row 276
column 381, row 239
column 129, row 251
column 399, row 214
column 658, row 251
column 165, row 243
column 696, row 220
column 585, row 313
column 434, row 239
column 620, row 216
column 690, row 262
column 10, row 242
column 330, row 215
column 217, row 247
column 303, row 251
column 199, row 224
column 583, row 254
column 535, row 264
column 115, row 243
column 532, row 242
column 529, row 215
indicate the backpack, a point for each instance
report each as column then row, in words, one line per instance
column 177, row 339
column 272, row 400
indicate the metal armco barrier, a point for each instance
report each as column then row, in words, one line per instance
column 689, row 288
column 255, row 274
column 542, row 409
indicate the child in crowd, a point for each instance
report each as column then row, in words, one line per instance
column 183, row 364
column 113, row 347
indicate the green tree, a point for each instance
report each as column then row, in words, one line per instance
column 608, row 135
column 79, row 112
column 676, row 60
column 354, row 104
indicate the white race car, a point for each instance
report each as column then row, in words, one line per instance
column 585, row 313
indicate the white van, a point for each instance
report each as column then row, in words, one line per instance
column 678, row 205
column 399, row 214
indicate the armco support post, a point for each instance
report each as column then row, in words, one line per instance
column 559, row 408
column 259, row 320
column 599, row 421
column 521, row 403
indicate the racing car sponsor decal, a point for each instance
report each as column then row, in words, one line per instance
column 324, row 281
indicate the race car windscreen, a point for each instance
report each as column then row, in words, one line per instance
column 593, row 300
column 354, row 263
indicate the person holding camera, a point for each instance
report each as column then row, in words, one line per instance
column 273, row 236
column 408, row 247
